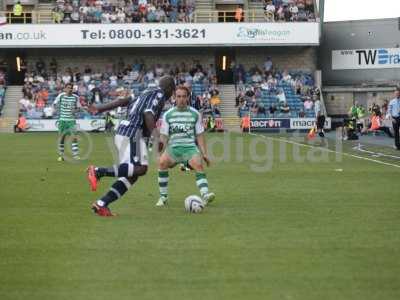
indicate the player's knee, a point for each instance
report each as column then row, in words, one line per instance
column 132, row 179
column 196, row 165
column 140, row 170
column 163, row 164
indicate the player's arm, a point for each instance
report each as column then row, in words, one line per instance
column 164, row 134
column 99, row 108
column 57, row 101
column 201, row 141
column 149, row 116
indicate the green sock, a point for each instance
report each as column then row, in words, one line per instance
column 163, row 183
column 202, row 183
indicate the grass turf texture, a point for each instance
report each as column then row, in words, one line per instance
column 300, row 231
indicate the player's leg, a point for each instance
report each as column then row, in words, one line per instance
column 116, row 191
column 126, row 168
column 136, row 155
column 201, row 179
column 165, row 162
column 74, row 144
column 61, row 146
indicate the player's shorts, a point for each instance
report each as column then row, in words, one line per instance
column 131, row 151
column 181, row 154
column 320, row 122
column 67, row 127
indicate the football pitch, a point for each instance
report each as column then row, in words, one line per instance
column 297, row 223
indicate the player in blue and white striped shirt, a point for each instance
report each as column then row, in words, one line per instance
column 130, row 138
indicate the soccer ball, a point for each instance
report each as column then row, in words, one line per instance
column 194, row 204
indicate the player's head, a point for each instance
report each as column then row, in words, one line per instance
column 68, row 88
column 181, row 96
column 167, row 84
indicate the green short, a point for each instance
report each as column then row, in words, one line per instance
column 181, row 154
column 66, row 127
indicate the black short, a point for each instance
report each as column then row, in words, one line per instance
column 320, row 122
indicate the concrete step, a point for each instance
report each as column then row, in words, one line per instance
column 7, row 124
column 11, row 103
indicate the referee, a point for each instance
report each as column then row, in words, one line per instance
column 394, row 114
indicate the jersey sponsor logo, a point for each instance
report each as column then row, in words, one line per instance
column 180, row 128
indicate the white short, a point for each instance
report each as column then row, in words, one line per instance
column 129, row 151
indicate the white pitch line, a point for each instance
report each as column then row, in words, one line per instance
column 328, row 150
column 358, row 148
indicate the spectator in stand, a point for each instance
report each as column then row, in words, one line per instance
column 268, row 66
column 256, row 78
column 308, row 104
column 239, row 13
column 272, row 110
column 48, row 112
column 53, row 66
column 40, row 66
column 285, row 109
column 294, row 10
column 269, row 10
column 281, row 96
column 2, row 96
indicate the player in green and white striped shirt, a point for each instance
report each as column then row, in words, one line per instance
column 67, row 104
column 181, row 128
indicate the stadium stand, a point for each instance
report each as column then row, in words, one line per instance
column 289, row 11
column 174, row 11
column 3, row 87
column 42, row 85
column 275, row 93
column 122, row 11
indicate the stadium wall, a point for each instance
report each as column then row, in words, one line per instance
column 292, row 58
column 360, row 61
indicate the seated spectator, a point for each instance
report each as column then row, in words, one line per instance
column 25, row 104
column 308, row 104
column 268, row 65
column 285, row 109
column 48, row 112
column 256, row 78
column 272, row 110
column 281, row 96
column 261, row 111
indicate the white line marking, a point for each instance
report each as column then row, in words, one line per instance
column 328, row 150
column 377, row 154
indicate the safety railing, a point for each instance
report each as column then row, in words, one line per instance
column 199, row 16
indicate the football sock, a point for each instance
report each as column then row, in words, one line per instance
column 126, row 170
column 61, row 149
column 202, row 182
column 75, row 149
column 163, row 183
column 107, row 172
column 117, row 190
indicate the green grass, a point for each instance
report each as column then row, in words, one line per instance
column 299, row 231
